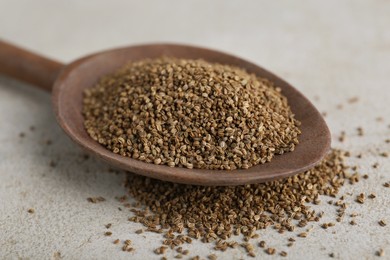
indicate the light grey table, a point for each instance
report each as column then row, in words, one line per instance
column 330, row 50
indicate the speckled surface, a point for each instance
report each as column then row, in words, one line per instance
column 330, row 50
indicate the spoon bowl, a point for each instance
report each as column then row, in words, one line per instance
column 74, row 78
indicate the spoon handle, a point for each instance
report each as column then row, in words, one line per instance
column 28, row 67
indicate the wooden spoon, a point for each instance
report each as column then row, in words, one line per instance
column 67, row 82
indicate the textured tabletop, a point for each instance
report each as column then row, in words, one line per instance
column 335, row 52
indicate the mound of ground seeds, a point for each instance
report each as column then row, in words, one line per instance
column 190, row 113
column 215, row 214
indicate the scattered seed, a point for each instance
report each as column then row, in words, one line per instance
column 270, row 251
column 238, row 210
column 360, row 131
column 251, row 254
column 342, row 136
column 361, row 198
column 161, row 250
column 31, row 211
column 380, row 252
column 353, row 100
column 96, row 199
column 52, row 164
column 262, row 244
column 382, row 223
column 212, row 257
column 108, row 234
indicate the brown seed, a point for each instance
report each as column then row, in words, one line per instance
column 353, row 100
column 382, row 223
column 303, row 234
column 52, row 164
column 160, row 250
column 270, row 251
column 360, row 131
column 262, row 244
column 342, row 136
column 252, row 254
column 108, row 233
column 360, row 198
column 96, row 199
column 380, row 252
column 31, row 211
column 116, row 241
column 283, row 253
column 108, row 225
column 139, row 231
column 212, row 257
